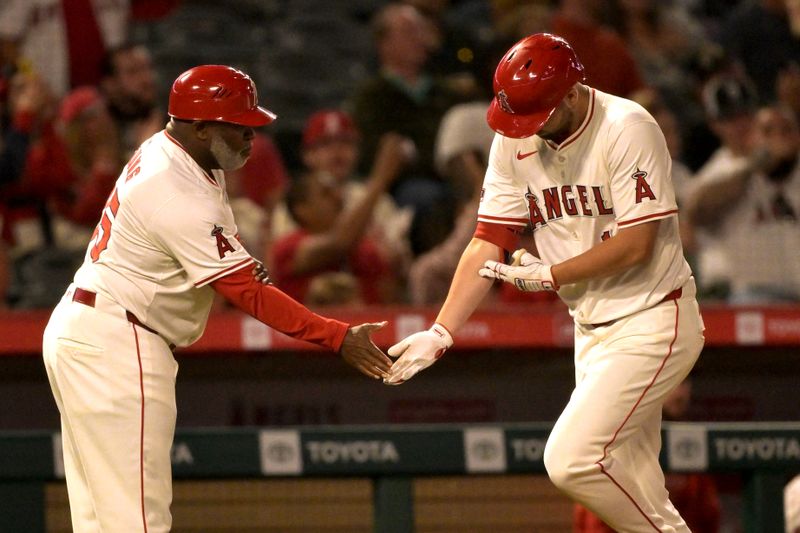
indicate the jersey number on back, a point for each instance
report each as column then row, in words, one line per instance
column 102, row 233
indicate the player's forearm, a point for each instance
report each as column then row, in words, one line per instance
column 468, row 289
column 630, row 247
column 277, row 310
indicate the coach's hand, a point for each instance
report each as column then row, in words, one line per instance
column 526, row 272
column 417, row 352
column 261, row 273
column 360, row 352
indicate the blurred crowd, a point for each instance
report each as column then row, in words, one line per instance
column 373, row 198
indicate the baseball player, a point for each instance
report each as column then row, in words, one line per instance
column 165, row 243
column 591, row 173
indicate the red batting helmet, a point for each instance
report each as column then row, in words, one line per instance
column 529, row 83
column 217, row 93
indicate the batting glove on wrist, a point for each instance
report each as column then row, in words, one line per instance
column 526, row 273
column 417, row 352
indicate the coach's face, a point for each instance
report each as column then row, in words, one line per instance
column 230, row 144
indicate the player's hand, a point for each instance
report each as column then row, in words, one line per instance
column 360, row 352
column 261, row 273
column 417, row 352
column 526, row 272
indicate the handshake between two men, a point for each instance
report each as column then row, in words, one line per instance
column 420, row 350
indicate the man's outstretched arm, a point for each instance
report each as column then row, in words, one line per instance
column 420, row 350
column 277, row 310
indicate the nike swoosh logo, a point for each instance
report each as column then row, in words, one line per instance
column 522, row 156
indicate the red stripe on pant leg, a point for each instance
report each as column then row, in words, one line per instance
column 141, row 430
column 614, row 481
column 633, row 409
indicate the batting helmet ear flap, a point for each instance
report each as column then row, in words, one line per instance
column 217, row 93
column 532, row 78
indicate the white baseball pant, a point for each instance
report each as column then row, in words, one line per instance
column 114, row 384
column 603, row 450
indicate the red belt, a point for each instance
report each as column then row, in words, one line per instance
column 88, row 298
column 674, row 295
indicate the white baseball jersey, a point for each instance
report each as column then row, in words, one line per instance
column 166, row 232
column 613, row 172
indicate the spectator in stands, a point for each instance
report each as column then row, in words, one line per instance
column 99, row 128
column 52, row 209
column 462, row 150
column 331, row 145
column 761, row 36
column 668, row 45
column 27, row 108
column 80, row 185
column 694, row 495
column 404, row 98
column 28, row 126
column 27, row 105
column 331, row 239
column 661, row 36
column 609, row 65
column 515, row 20
column 65, row 41
column 72, row 166
column 128, row 84
column 454, row 51
column 755, row 204
column 729, row 102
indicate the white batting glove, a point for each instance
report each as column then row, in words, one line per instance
column 417, row 352
column 530, row 275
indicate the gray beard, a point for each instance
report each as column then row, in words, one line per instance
column 226, row 158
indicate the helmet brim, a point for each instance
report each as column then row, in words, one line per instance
column 515, row 125
column 258, row 116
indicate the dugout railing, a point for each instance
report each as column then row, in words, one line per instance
column 764, row 454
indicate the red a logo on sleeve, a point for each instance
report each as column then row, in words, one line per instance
column 643, row 189
column 223, row 246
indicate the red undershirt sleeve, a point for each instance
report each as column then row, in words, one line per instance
column 504, row 236
column 277, row 310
